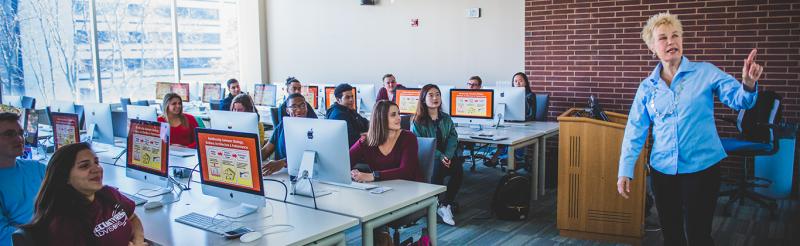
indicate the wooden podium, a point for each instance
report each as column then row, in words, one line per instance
column 589, row 206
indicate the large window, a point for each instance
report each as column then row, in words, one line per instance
column 46, row 47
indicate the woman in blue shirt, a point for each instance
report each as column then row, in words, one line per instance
column 677, row 101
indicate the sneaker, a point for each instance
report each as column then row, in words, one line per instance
column 446, row 214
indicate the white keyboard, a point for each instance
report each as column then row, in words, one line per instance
column 136, row 199
column 200, row 221
column 354, row 185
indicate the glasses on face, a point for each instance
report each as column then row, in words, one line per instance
column 12, row 134
column 296, row 106
column 473, row 84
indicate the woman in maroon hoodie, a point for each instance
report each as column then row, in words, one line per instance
column 390, row 151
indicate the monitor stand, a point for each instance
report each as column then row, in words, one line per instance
column 239, row 211
column 302, row 185
column 158, row 191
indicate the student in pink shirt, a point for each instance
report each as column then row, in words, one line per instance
column 75, row 208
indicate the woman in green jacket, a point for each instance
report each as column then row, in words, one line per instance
column 431, row 122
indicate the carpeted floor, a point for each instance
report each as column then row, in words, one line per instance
column 749, row 224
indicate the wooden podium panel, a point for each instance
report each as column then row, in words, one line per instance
column 588, row 204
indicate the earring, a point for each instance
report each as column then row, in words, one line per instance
column 654, row 55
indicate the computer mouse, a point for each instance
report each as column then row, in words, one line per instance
column 250, row 236
column 153, row 205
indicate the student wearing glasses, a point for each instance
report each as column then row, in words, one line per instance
column 293, row 86
column 20, row 179
column 474, row 83
column 277, row 142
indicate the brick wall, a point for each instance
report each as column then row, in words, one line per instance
column 576, row 48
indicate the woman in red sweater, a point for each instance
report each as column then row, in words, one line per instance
column 390, row 151
column 181, row 126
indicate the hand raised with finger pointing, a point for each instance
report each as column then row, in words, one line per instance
column 751, row 71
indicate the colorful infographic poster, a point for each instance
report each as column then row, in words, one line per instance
column 230, row 160
column 65, row 128
column 472, row 103
column 311, row 94
column 148, row 145
column 406, row 100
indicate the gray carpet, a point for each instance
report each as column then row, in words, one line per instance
column 749, row 225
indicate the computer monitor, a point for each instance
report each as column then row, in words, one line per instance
column 513, row 99
column 142, row 113
column 407, row 99
column 320, row 144
column 224, row 120
column 212, row 92
column 99, row 124
column 31, row 125
column 148, row 155
column 62, row 107
column 472, row 106
column 230, row 169
column 265, row 95
column 330, row 98
column 366, row 96
column 65, row 128
column 311, row 93
column 182, row 89
column 445, row 90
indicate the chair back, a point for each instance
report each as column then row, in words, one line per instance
column 125, row 102
column 542, row 106
column 142, row 103
column 215, row 105
column 405, row 122
column 753, row 123
column 426, row 152
column 275, row 114
column 22, row 237
column 28, row 102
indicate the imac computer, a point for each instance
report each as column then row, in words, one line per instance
column 445, row 90
column 142, row 113
column 407, row 99
column 513, row 100
column 320, row 152
column 62, row 107
column 472, row 106
column 148, row 156
column 230, row 169
column 330, row 98
column 99, row 124
column 366, row 96
column 66, row 129
column 212, row 92
column 265, row 95
column 234, row 121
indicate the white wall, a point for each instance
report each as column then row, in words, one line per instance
column 323, row 41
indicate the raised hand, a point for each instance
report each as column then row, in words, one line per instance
column 751, row 71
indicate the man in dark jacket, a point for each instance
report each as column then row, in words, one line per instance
column 343, row 109
column 234, row 90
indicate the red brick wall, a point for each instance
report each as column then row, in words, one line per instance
column 576, row 48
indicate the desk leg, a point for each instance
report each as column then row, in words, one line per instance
column 542, row 161
column 337, row 239
column 432, row 223
column 367, row 237
column 535, row 170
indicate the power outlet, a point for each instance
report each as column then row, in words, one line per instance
column 474, row 13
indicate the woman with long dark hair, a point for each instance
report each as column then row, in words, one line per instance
column 75, row 208
column 431, row 122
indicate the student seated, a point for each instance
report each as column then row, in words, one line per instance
column 277, row 143
column 293, row 86
column 244, row 103
column 20, row 179
column 390, row 85
column 431, row 122
column 75, row 208
column 389, row 151
column 181, row 126
column 233, row 91
column 519, row 80
column 474, row 83
column 344, row 109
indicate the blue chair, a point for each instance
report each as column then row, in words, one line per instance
column 426, row 149
column 757, row 130
column 542, row 106
column 28, row 102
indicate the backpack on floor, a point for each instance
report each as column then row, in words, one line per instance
column 511, row 200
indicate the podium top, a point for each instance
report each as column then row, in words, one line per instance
column 615, row 120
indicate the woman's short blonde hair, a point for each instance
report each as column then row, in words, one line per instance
column 657, row 20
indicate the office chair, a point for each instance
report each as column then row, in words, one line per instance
column 79, row 111
column 426, row 149
column 125, row 102
column 275, row 115
column 22, row 237
column 757, row 130
column 405, row 122
column 28, row 102
column 142, row 103
column 542, row 106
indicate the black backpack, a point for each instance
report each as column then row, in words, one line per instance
column 512, row 197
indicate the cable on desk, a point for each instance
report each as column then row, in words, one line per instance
column 285, row 188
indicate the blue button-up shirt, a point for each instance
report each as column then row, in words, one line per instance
column 685, row 138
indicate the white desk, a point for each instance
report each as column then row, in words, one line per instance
column 310, row 226
column 533, row 134
column 373, row 210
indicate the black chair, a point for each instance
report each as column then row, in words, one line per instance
column 405, row 122
column 542, row 106
column 28, row 102
column 22, row 237
column 215, row 105
column 275, row 115
column 426, row 149
column 757, row 138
